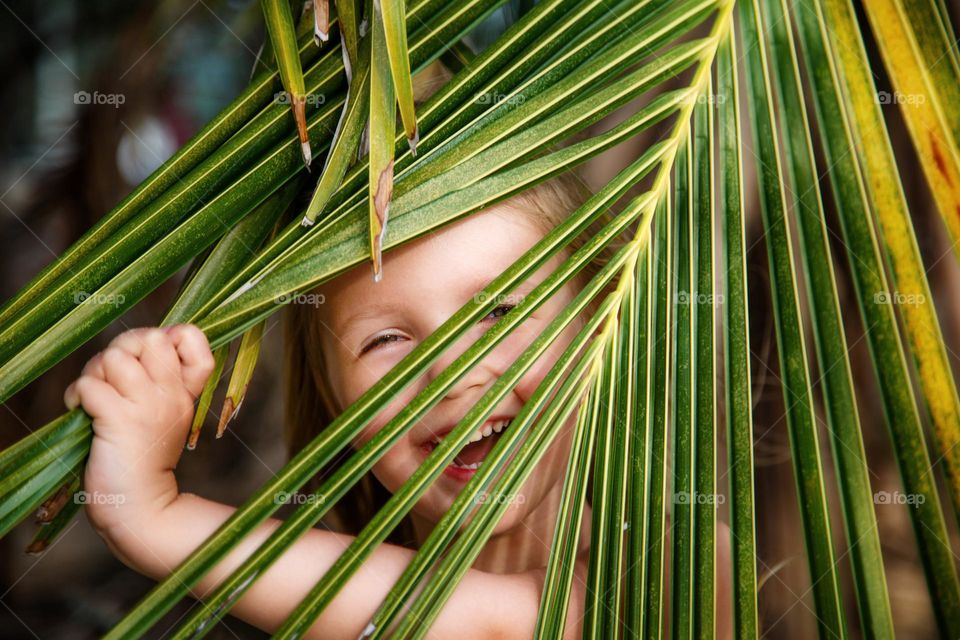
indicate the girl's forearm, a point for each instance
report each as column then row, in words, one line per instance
column 155, row 549
column 483, row 605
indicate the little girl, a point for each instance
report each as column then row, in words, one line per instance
column 140, row 392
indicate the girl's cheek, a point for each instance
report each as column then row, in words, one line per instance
column 384, row 417
column 539, row 370
column 513, row 346
column 393, row 469
column 362, row 375
column 524, row 335
column 532, row 378
column 357, row 385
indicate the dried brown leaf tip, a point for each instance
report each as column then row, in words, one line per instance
column 321, row 21
column 300, row 115
column 194, row 434
column 228, row 413
column 378, row 221
column 37, row 547
column 54, row 504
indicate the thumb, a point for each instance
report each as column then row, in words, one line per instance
column 70, row 396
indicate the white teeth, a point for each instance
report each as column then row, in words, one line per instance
column 487, row 430
column 475, row 465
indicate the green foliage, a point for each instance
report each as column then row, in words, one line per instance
column 641, row 378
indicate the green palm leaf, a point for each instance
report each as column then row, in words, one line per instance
column 737, row 379
column 639, row 382
column 283, row 39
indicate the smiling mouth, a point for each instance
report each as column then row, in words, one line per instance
column 472, row 454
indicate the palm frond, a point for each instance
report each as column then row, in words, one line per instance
column 283, row 39
column 643, row 381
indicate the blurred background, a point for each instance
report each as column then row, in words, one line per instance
column 97, row 94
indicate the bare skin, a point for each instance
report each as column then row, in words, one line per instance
column 140, row 392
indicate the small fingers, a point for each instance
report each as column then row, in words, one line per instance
column 125, row 373
column 155, row 351
column 94, row 367
column 96, row 396
column 195, row 356
column 70, row 396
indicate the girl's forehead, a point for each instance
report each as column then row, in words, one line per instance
column 462, row 254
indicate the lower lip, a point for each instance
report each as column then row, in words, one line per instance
column 454, row 472
column 459, row 473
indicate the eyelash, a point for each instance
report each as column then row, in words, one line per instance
column 393, row 337
column 379, row 340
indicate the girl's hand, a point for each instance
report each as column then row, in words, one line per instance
column 140, row 392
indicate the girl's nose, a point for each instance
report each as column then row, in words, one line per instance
column 477, row 378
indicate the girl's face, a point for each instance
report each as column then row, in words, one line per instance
column 369, row 327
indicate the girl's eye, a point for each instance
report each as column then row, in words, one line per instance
column 499, row 312
column 380, row 340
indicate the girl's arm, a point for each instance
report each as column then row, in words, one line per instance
column 484, row 605
column 140, row 392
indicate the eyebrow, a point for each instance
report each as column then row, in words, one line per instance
column 369, row 311
column 470, row 289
